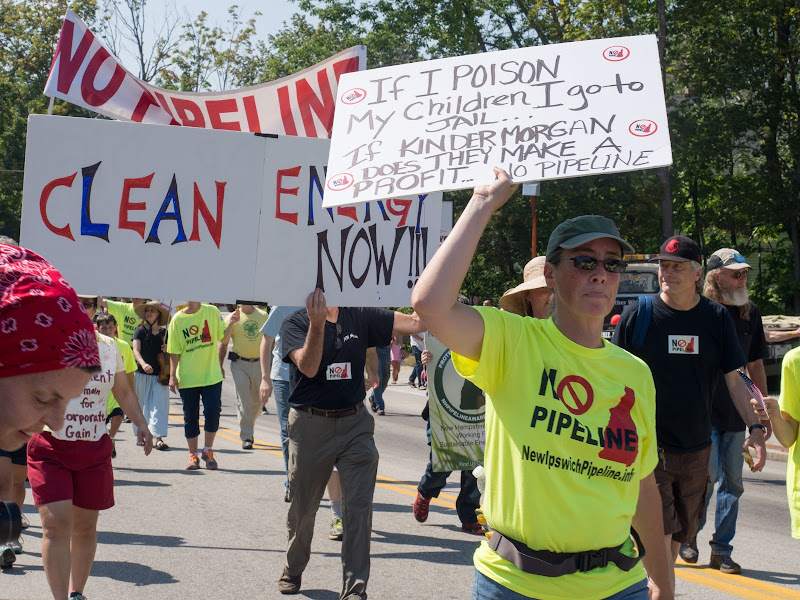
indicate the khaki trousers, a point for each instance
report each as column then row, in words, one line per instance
column 316, row 444
column 247, row 379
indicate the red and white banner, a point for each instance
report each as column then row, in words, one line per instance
column 86, row 74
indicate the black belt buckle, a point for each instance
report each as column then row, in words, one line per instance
column 594, row 559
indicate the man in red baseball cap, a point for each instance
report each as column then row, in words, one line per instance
column 686, row 340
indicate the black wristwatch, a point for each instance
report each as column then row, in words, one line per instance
column 757, row 426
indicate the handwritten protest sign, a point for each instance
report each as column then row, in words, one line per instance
column 136, row 210
column 456, row 408
column 545, row 112
column 86, row 74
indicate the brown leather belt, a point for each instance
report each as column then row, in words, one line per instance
column 331, row 414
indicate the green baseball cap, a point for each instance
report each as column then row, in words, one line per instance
column 574, row 232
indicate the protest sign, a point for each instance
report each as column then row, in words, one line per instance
column 136, row 210
column 545, row 112
column 85, row 73
column 456, row 408
column 366, row 255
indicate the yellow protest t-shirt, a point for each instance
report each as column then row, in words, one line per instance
column 127, row 320
column 570, row 432
column 195, row 338
column 790, row 404
column 246, row 334
column 126, row 353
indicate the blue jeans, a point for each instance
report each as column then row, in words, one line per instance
column 469, row 498
column 725, row 468
column 212, row 408
column 282, row 391
column 384, row 364
column 417, row 372
column 488, row 589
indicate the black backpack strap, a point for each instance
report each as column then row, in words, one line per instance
column 643, row 314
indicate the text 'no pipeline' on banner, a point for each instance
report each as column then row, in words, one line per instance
column 86, row 74
column 126, row 209
column 546, row 112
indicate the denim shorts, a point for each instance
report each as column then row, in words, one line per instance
column 488, row 589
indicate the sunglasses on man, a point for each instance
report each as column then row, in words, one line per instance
column 588, row 263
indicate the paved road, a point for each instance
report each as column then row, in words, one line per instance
column 179, row 535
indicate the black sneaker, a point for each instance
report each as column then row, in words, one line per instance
column 7, row 557
column 247, row 445
column 724, row 563
column 688, row 553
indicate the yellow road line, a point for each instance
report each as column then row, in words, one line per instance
column 739, row 586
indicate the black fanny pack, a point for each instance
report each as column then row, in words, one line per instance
column 556, row 564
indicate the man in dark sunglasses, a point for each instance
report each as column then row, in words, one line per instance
column 328, row 425
column 687, row 340
column 726, row 283
column 570, row 419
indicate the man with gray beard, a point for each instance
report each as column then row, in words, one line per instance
column 726, row 283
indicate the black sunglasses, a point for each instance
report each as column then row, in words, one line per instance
column 88, row 303
column 339, row 342
column 741, row 273
column 587, row 263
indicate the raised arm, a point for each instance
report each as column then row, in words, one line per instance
column 457, row 326
column 308, row 357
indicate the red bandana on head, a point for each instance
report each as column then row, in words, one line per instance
column 43, row 326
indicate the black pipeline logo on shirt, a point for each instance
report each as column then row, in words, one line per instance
column 462, row 399
column 618, row 441
column 194, row 338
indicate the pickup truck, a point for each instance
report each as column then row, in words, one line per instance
column 640, row 279
column 777, row 350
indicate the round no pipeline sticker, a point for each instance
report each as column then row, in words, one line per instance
column 643, row 127
column 616, row 53
column 353, row 96
column 340, row 182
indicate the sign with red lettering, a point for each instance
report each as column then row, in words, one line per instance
column 543, row 112
column 85, row 73
column 125, row 209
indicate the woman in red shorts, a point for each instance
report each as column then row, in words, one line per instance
column 70, row 471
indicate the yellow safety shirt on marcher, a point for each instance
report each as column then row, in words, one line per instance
column 195, row 338
column 127, row 319
column 246, row 334
column 126, row 353
column 790, row 404
column 570, row 432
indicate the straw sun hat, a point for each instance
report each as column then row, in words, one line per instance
column 139, row 310
column 533, row 279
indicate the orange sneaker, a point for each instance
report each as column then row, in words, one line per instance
column 211, row 464
column 194, row 462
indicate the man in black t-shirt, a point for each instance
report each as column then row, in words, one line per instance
column 326, row 348
column 689, row 341
column 726, row 283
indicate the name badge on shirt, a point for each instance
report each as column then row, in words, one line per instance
column 338, row 371
column 683, row 344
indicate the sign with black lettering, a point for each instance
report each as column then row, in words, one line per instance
column 544, row 112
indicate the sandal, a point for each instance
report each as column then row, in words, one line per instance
column 161, row 445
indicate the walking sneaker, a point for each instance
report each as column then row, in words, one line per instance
column 372, row 404
column 688, row 552
column 289, row 584
column 473, row 528
column 25, row 522
column 381, row 412
column 724, row 563
column 421, row 508
column 76, row 596
column 194, row 462
column 16, row 545
column 7, row 557
column 264, row 410
column 247, row 445
column 211, row 463
column 337, row 530
column 412, row 384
